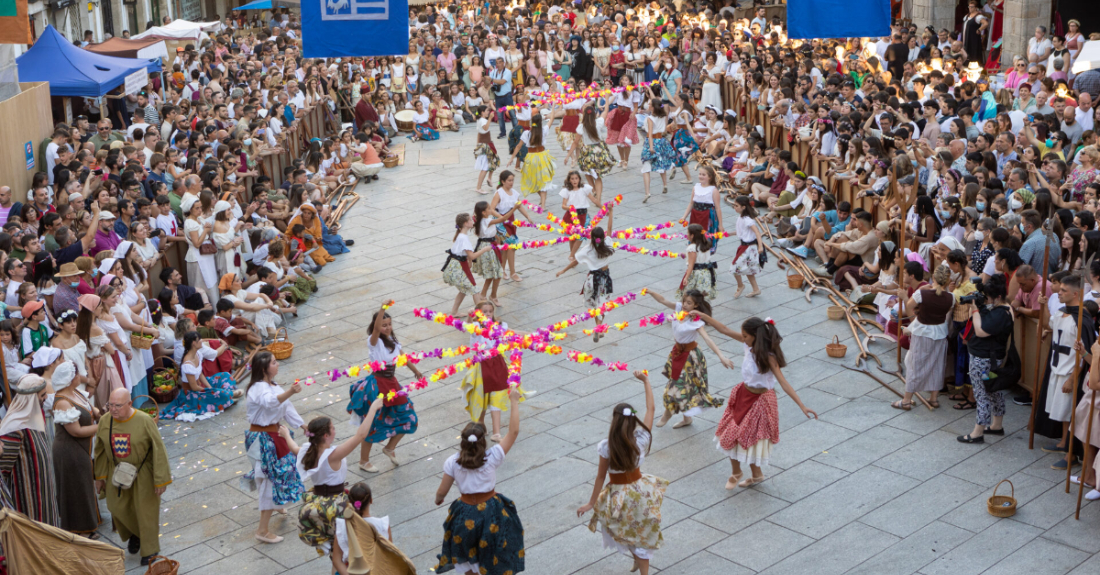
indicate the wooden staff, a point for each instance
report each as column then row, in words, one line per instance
column 1076, row 374
column 901, row 268
column 1088, row 437
column 1039, row 359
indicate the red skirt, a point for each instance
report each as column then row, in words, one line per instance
column 494, row 374
column 701, row 217
column 749, row 417
column 619, row 118
column 679, row 357
column 386, row 384
column 570, row 123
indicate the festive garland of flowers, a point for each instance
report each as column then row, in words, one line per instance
column 561, row 98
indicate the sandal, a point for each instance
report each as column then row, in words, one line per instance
column 965, row 405
column 935, row 403
column 732, row 482
column 902, row 405
column 751, row 481
column 957, row 397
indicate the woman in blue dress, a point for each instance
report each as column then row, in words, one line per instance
column 397, row 417
column 422, row 124
column 201, row 396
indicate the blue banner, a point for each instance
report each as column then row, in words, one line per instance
column 351, row 28
column 808, row 19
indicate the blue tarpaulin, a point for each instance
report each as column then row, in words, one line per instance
column 74, row 71
column 352, row 28
column 838, row 18
column 267, row 4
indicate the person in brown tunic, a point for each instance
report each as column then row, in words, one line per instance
column 74, row 420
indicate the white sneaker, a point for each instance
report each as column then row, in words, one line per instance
column 785, row 243
column 1092, row 495
column 856, row 294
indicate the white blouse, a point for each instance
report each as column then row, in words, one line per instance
column 745, row 229
column 379, row 351
column 461, row 245
column 751, row 374
column 703, row 194
column 700, row 257
column 641, row 439
column 507, row 201
column 685, row 331
column 265, row 409
column 480, row 480
column 601, row 131
column 323, row 474
column 577, row 198
column 587, row 255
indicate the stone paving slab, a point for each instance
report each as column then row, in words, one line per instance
column 865, row 489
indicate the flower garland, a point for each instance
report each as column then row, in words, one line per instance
column 647, row 251
column 560, row 98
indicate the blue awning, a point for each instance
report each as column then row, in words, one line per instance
column 74, row 71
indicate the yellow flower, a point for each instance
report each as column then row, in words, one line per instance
column 457, row 540
column 493, row 528
column 473, row 553
column 520, row 554
column 504, row 512
column 469, row 524
column 483, row 544
column 481, row 506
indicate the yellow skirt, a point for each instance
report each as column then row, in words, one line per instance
column 477, row 401
column 537, row 174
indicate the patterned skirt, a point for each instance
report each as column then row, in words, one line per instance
column 201, row 403
column 749, row 426
column 700, row 280
column 513, row 141
column 597, row 291
column 566, row 139
column 391, row 420
column 684, row 145
column 486, row 538
column 455, row 276
column 281, row 472
column 661, row 156
column 478, row 401
column 424, row 132
column 689, row 394
column 317, row 519
column 485, row 159
column 487, row 265
column 537, row 174
column 629, row 516
column 509, row 238
column 596, row 160
column 627, row 135
column 748, row 262
column 924, row 364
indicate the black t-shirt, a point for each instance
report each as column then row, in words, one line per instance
column 189, row 297
column 997, row 322
column 69, row 253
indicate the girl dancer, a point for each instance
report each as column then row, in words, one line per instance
column 537, row 174
column 486, row 385
column 567, row 134
column 398, row 415
column 326, row 465
column 489, row 267
column 657, row 153
column 683, row 141
column 482, row 533
column 747, row 260
column 456, row 270
column 505, row 200
column 700, row 274
column 595, row 256
column 749, row 427
column 704, row 208
column 381, row 552
column 270, row 446
column 628, row 509
column 580, row 196
column 516, row 146
column 686, row 366
column 623, row 130
column 595, row 159
column 486, row 159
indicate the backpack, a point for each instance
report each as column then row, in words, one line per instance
column 196, row 93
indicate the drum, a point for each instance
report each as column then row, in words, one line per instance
column 404, row 120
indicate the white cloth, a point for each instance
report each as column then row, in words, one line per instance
column 323, row 474
column 700, row 257
column 507, row 201
column 480, row 480
column 577, row 198
column 685, row 331
column 745, row 231
column 703, row 194
column 379, row 352
column 751, row 374
column 587, row 256
column 641, row 439
column 264, row 408
column 461, row 245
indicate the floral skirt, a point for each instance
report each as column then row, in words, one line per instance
column 625, row 136
column 485, row 159
column 486, row 538
column 391, row 420
column 661, row 156
column 510, row 239
column 566, row 139
column 684, row 145
column 749, row 426
column 423, row 132
column 317, row 519
column 210, row 401
column 596, row 160
column 487, row 265
column 537, row 174
column 631, row 515
column 596, row 293
column 689, row 394
column 281, row 472
column 748, row 263
column 454, row 276
column 514, row 140
column 701, row 281
column 477, row 401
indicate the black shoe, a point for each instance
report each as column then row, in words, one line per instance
column 1022, row 400
column 374, row 177
column 349, row 242
column 1053, row 448
column 145, row 560
column 967, row 439
column 989, row 431
column 133, row 545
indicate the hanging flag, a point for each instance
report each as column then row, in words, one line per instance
column 808, row 19
column 15, row 27
column 353, row 28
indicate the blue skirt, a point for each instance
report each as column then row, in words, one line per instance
column 214, row 400
column 650, row 75
column 424, row 132
column 510, row 239
column 661, row 156
column 489, row 535
column 684, row 145
column 286, row 485
column 391, row 420
column 514, row 140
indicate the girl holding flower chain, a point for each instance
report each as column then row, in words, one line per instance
column 486, row 384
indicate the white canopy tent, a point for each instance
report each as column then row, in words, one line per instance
column 181, row 30
column 1089, row 58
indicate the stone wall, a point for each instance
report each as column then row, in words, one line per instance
column 1021, row 18
column 939, row 14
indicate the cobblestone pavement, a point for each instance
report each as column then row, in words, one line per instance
column 865, row 489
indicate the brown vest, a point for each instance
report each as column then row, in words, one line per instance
column 933, row 308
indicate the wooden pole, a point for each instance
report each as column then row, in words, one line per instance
column 1076, row 374
column 1088, row 437
column 1040, row 360
column 901, row 269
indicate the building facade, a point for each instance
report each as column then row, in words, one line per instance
column 1020, row 19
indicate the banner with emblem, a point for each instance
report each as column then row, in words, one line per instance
column 352, row 28
column 15, row 26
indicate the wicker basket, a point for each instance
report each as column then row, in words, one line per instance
column 794, row 281
column 281, row 349
column 390, row 161
column 138, row 341
column 836, row 349
column 156, row 407
column 161, row 565
column 1002, row 505
column 835, row 312
column 167, row 397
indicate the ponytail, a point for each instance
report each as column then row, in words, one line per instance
column 460, row 220
column 317, row 428
column 471, row 454
column 765, row 345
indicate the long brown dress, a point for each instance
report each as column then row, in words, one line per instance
column 72, row 458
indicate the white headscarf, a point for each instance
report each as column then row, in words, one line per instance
column 25, row 411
